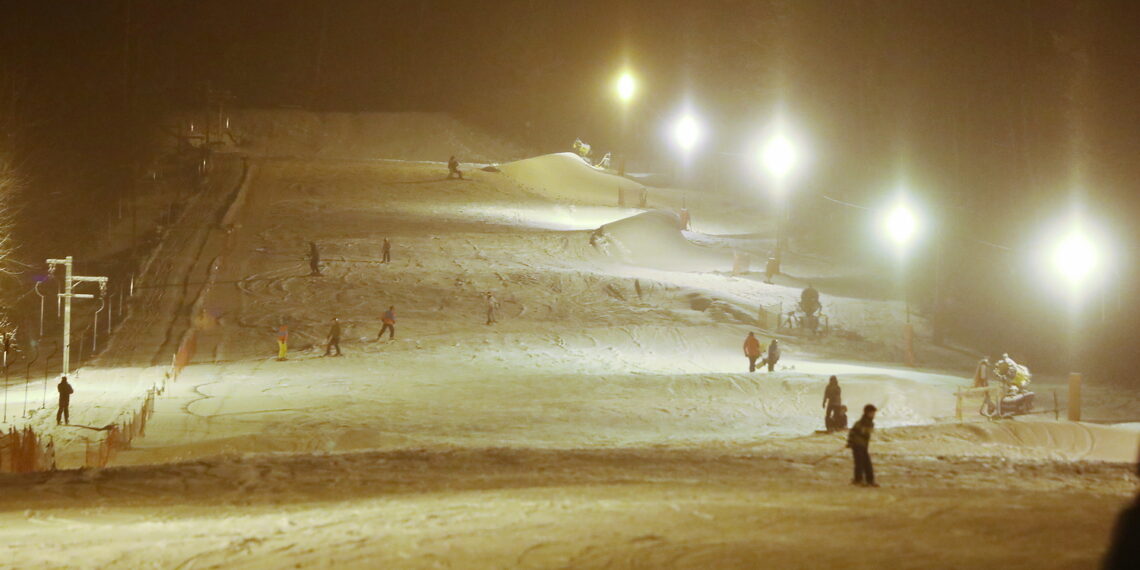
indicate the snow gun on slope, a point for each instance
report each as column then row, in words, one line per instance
column 1015, row 397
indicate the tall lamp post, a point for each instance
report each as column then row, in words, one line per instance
column 901, row 226
column 1076, row 257
column 779, row 158
column 626, row 87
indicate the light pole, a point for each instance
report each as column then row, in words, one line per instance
column 779, row 158
column 626, row 87
column 901, row 226
column 67, row 295
column 1077, row 258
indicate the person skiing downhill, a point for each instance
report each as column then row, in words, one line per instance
column 389, row 320
column 314, row 260
column 333, row 338
column 453, row 168
column 492, row 308
column 832, row 400
column 65, row 392
column 282, row 342
column 859, row 439
column 752, row 350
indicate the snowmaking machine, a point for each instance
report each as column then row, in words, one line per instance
column 1013, row 396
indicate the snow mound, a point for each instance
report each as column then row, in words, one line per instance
column 1071, row 440
column 400, row 136
column 654, row 239
column 564, row 176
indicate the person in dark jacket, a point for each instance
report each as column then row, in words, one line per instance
column 453, row 168
column 832, row 399
column 859, row 439
column 752, row 350
column 386, row 251
column 389, row 320
column 314, row 259
column 839, row 421
column 333, row 338
column 773, row 355
column 1124, row 551
column 65, row 392
column 809, row 300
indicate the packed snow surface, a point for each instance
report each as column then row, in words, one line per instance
column 606, row 420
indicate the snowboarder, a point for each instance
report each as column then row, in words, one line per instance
column 314, row 260
column 832, row 399
column 773, row 355
column 492, row 308
column 386, row 251
column 282, row 341
column 752, row 350
column 389, row 320
column 333, row 338
column 453, row 168
column 65, row 392
column 809, row 300
column 859, row 439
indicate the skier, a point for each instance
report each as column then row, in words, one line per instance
column 333, row 338
column 386, row 251
column 771, row 268
column 809, row 300
column 453, row 168
column 389, row 320
column 314, row 260
column 858, row 439
column 282, row 341
column 773, row 355
column 752, row 350
column 832, row 400
column 492, row 308
column 65, row 392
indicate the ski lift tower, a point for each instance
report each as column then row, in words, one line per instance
column 68, row 294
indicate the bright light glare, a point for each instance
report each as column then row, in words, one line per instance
column 626, row 87
column 1076, row 257
column 779, row 156
column 687, row 133
column 901, row 224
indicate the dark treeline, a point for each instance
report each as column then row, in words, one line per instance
column 996, row 114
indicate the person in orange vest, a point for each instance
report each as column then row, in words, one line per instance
column 752, row 350
column 389, row 320
column 282, row 341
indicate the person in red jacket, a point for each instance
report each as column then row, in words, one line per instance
column 389, row 320
column 752, row 350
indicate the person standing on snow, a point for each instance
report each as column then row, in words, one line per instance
column 389, row 320
column 453, row 168
column 386, row 251
column 809, row 300
column 832, row 400
column 333, row 338
column 282, row 341
column 773, row 355
column 65, row 392
column 492, row 308
column 859, row 439
column 752, row 350
column 314, row 260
